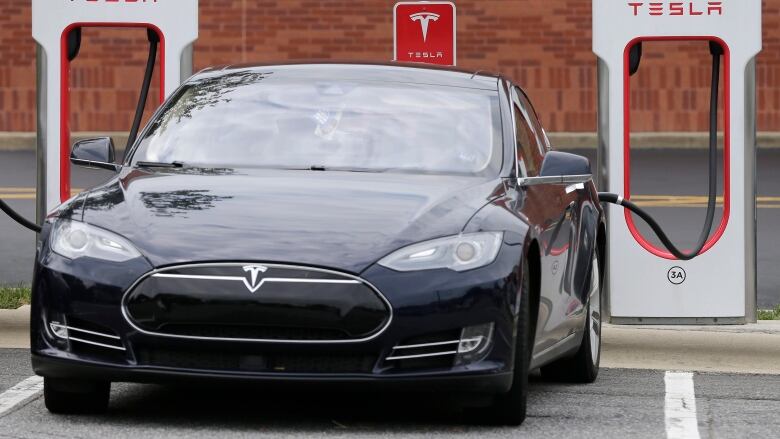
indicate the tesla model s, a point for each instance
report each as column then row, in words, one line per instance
column 372, row 226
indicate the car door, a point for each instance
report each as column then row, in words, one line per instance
column 583, row 218
column 551, row 207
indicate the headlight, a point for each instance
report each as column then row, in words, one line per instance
column 73, row 240
column 458, row 253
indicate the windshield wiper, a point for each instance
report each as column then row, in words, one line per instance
column 323, row 168
column 317, row 168
column 141, row 164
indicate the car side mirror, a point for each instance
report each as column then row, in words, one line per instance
column 561, row 168
column 95, row 153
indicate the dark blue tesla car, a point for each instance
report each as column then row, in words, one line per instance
column 388, row 226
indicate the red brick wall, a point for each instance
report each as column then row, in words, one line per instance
column 543, row 44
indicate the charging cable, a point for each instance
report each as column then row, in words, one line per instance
column 19, row 218
column 154, row 40
column 717, row 51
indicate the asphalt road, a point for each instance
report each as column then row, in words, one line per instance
column 622, row 403
column 671, row 173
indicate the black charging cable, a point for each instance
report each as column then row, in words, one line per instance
column 18, row 218
column 717, row 51
column 154, row 40
column 74, row 45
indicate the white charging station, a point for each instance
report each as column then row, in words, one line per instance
column 646, row 284
column 174, row 21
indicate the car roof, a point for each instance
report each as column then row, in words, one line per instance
column 385, row 72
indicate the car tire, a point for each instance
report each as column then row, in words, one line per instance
column 65, row 396
column 583, row 367
column 510, row 408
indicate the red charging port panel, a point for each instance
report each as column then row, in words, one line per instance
column 714, row 238
column 65, row 93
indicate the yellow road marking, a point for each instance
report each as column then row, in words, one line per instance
column 691, row 198
column 17, row 189
column 694, row 201
column 17, row 196
column 29, row 189
column 25, row 193
column 701, row 206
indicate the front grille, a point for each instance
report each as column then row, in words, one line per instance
column 255, row 332
column 263, row 363
column 249, row 301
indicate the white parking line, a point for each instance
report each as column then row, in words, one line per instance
column 20, row 393
column 680, row 406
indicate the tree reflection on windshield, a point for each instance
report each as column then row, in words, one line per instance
column 179, row 203
column 207, row 92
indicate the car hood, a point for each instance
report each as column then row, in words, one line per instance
column 342, row 220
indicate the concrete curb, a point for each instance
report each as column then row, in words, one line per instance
column 24, row 141
column 15, row 327
column 762, row 327
column 749, row 349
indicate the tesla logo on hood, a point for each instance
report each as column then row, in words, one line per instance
column 425, row 19
column 252, row 284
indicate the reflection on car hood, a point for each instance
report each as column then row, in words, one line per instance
column 341, row 220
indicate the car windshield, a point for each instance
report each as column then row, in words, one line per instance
column 249, row 119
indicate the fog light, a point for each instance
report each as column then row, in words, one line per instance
column 56, row 325
column 475, row 341
column 469, row 344
column 59, row 330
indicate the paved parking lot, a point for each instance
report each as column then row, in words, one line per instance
column 622, row 403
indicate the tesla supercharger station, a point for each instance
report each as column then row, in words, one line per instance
column 645, row 283
column 174, row 21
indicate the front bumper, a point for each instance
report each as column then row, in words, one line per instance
column 427, row 307
column 492, row 383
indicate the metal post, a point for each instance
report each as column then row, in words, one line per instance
column 40, row 151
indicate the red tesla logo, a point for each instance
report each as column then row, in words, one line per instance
column 689, row 8
column 425, row 32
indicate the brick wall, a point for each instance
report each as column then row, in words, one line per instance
column 543, row 44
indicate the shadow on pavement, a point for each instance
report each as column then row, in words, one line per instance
column 257, row 409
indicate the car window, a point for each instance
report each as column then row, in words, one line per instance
column 535, row 124
column 250, row 120
column 527, row 148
